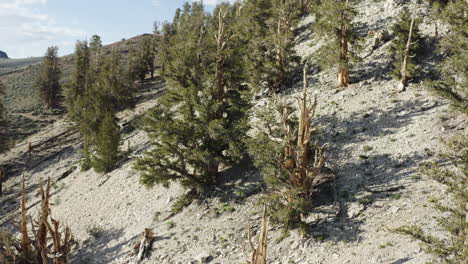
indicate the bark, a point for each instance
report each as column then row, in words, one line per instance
column 404, row 65
column 343, row 71
column 25, row 241
column 220, row 46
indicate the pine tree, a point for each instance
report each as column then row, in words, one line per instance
column 405, row 48
column 285, row 149
column 48, row 79
column 201, row 121
column 453, row 81
column 107, row 145
column 265, row 27
column 95, row 45
column 81, row 80
column 334, row 25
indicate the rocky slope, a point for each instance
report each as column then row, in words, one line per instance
column 377, row 138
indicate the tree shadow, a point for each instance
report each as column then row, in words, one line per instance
column 96, row 250
column 367, row 178
column 239, row 182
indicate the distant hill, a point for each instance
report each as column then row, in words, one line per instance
column 3, row 55
column 18, row 75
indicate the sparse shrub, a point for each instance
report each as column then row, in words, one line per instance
column 450, row 249
column 183, row 201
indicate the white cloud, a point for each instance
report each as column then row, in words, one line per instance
column 24, row 31
column 156, row 3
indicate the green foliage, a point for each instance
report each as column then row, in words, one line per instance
column 397, row 49
column 48, row 78
column 182, row 202
column 80, row 82
column 95, row 45
column 334, row 26
column 142, row 61
column 107, row 145
column 201, row 121
column 453, row 82
column 452, row 248
column 107, row 88
column 265, row 30
column 286, row 151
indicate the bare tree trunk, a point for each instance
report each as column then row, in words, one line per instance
column 343, row 72
column 25, row 241
column 404, row 65
column 220, row 46
column 259, row 253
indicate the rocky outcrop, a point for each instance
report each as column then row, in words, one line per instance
column 3, row 55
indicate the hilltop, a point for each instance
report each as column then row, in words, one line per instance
column 3, row 55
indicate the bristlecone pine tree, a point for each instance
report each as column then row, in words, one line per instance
column 334, row 26
column 142, row 60
column 48, row 79
column 265, row 29
column 451, row 248
column 453, row 71
column 95, row 46
column 405, row 47
column 289, row 157
column 107, row 145
column 80, row 82
column 95, row 91
column 201, row 121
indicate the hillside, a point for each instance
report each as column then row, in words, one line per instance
column 377, row 135
column 26, row 114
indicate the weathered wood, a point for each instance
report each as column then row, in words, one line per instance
column 404, row 65
column 143, row 247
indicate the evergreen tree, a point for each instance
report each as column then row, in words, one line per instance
column 403, row 49
column 81, row 80
column 453, row 81
column 107, row 145
column 334, row 25
column 201, row 121
column 148, row 50
column 265, row 27
column 97, row 90
column 286, row 151
column 48, row 79
column 142, row 60
column 95, row 45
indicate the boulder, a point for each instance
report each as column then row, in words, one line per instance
column 3, row 55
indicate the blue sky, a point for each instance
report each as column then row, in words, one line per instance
column 28, row 27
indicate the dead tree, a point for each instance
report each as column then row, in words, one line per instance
column 404, row 65
column 143, row 247
column 259, row 253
